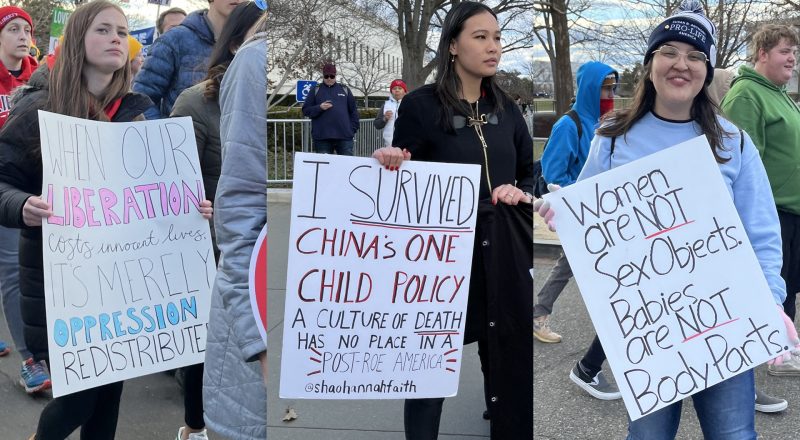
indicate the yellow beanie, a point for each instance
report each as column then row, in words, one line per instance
column 134, row 47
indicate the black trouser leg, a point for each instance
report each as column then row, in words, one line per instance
column 94, row 410
column 592, row 361
column 421, row 418
column 790, row 239
column 193, row 396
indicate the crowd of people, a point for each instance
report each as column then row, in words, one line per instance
column 752, row 125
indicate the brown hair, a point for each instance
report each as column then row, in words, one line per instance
column 704, row 112
column 231, row 37
column 161, row 16
column 69, row 92
column 769, row 36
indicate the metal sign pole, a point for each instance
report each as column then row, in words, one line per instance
column 158, row 13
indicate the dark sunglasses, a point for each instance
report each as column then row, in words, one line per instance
column 329, row 76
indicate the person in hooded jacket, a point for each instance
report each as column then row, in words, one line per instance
column 465, row 117
column 201, row 103
column 562, row 161
column 97, row 89
column 234, row 380
column 177, row 60
column 388, row 114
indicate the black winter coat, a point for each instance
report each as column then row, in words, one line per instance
column 500, row 305
column 21, row 178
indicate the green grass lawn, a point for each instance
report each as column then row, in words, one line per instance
column 538, row 147
column 543, row 105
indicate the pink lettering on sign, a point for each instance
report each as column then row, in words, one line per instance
column 78, row 206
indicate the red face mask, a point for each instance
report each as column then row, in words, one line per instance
column 606, row 105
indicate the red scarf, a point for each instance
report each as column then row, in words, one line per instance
column 112, row 108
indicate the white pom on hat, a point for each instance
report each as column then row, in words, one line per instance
column 693, row 9
column 690, row 25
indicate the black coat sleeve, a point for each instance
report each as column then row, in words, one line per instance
column 18, row 168
column 408, row 128
column 524, row 146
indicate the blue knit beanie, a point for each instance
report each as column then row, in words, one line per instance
column 689, row 25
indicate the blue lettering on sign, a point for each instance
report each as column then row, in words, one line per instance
column 80, row 329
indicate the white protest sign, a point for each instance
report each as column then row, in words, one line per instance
column 378, row 278
column 668, row 275
column 128, row 264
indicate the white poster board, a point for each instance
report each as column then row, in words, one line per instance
column 128, row 264
column 378, row 278
column 668, row 275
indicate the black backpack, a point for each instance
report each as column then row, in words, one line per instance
column 540, row 185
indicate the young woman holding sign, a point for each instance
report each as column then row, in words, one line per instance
column 671, row 105
column 90, row 79
column 466, row 118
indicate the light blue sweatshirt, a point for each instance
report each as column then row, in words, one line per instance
column 744, row 176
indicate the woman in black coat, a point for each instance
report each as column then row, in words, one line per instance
column 464, row 117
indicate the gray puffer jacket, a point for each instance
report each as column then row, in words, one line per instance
column 234, row 394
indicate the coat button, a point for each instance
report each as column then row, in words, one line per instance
column 485, row 243
column 494, row 399
column 491, row 323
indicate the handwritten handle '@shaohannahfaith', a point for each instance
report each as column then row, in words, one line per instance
column 791, row 331
column 544, row 209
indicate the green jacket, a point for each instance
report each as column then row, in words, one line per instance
column 765, row 111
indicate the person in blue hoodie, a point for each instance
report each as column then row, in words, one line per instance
column 177, row 59
column 562, row 161
column 334, row 118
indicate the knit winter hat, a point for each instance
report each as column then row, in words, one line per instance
column 688, row 25
column 134, row 47
column 8, row 13
column 329, row 69
column 398, row 83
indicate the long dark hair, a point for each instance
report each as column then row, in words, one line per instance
column 242, row 18
column 447, row 81
column 704, row 112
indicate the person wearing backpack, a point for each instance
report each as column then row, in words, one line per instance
column 562, row 161
column 334, row 118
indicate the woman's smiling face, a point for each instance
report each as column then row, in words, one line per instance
column 677, row 79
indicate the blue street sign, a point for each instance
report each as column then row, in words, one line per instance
column 303, row 89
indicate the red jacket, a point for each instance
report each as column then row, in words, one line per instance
column 9, row 82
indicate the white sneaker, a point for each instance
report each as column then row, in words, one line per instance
column 787, row 368
column 192, row 436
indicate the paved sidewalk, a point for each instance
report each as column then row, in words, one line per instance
column 563, row 411
column 358, row 419
column 151, row 408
